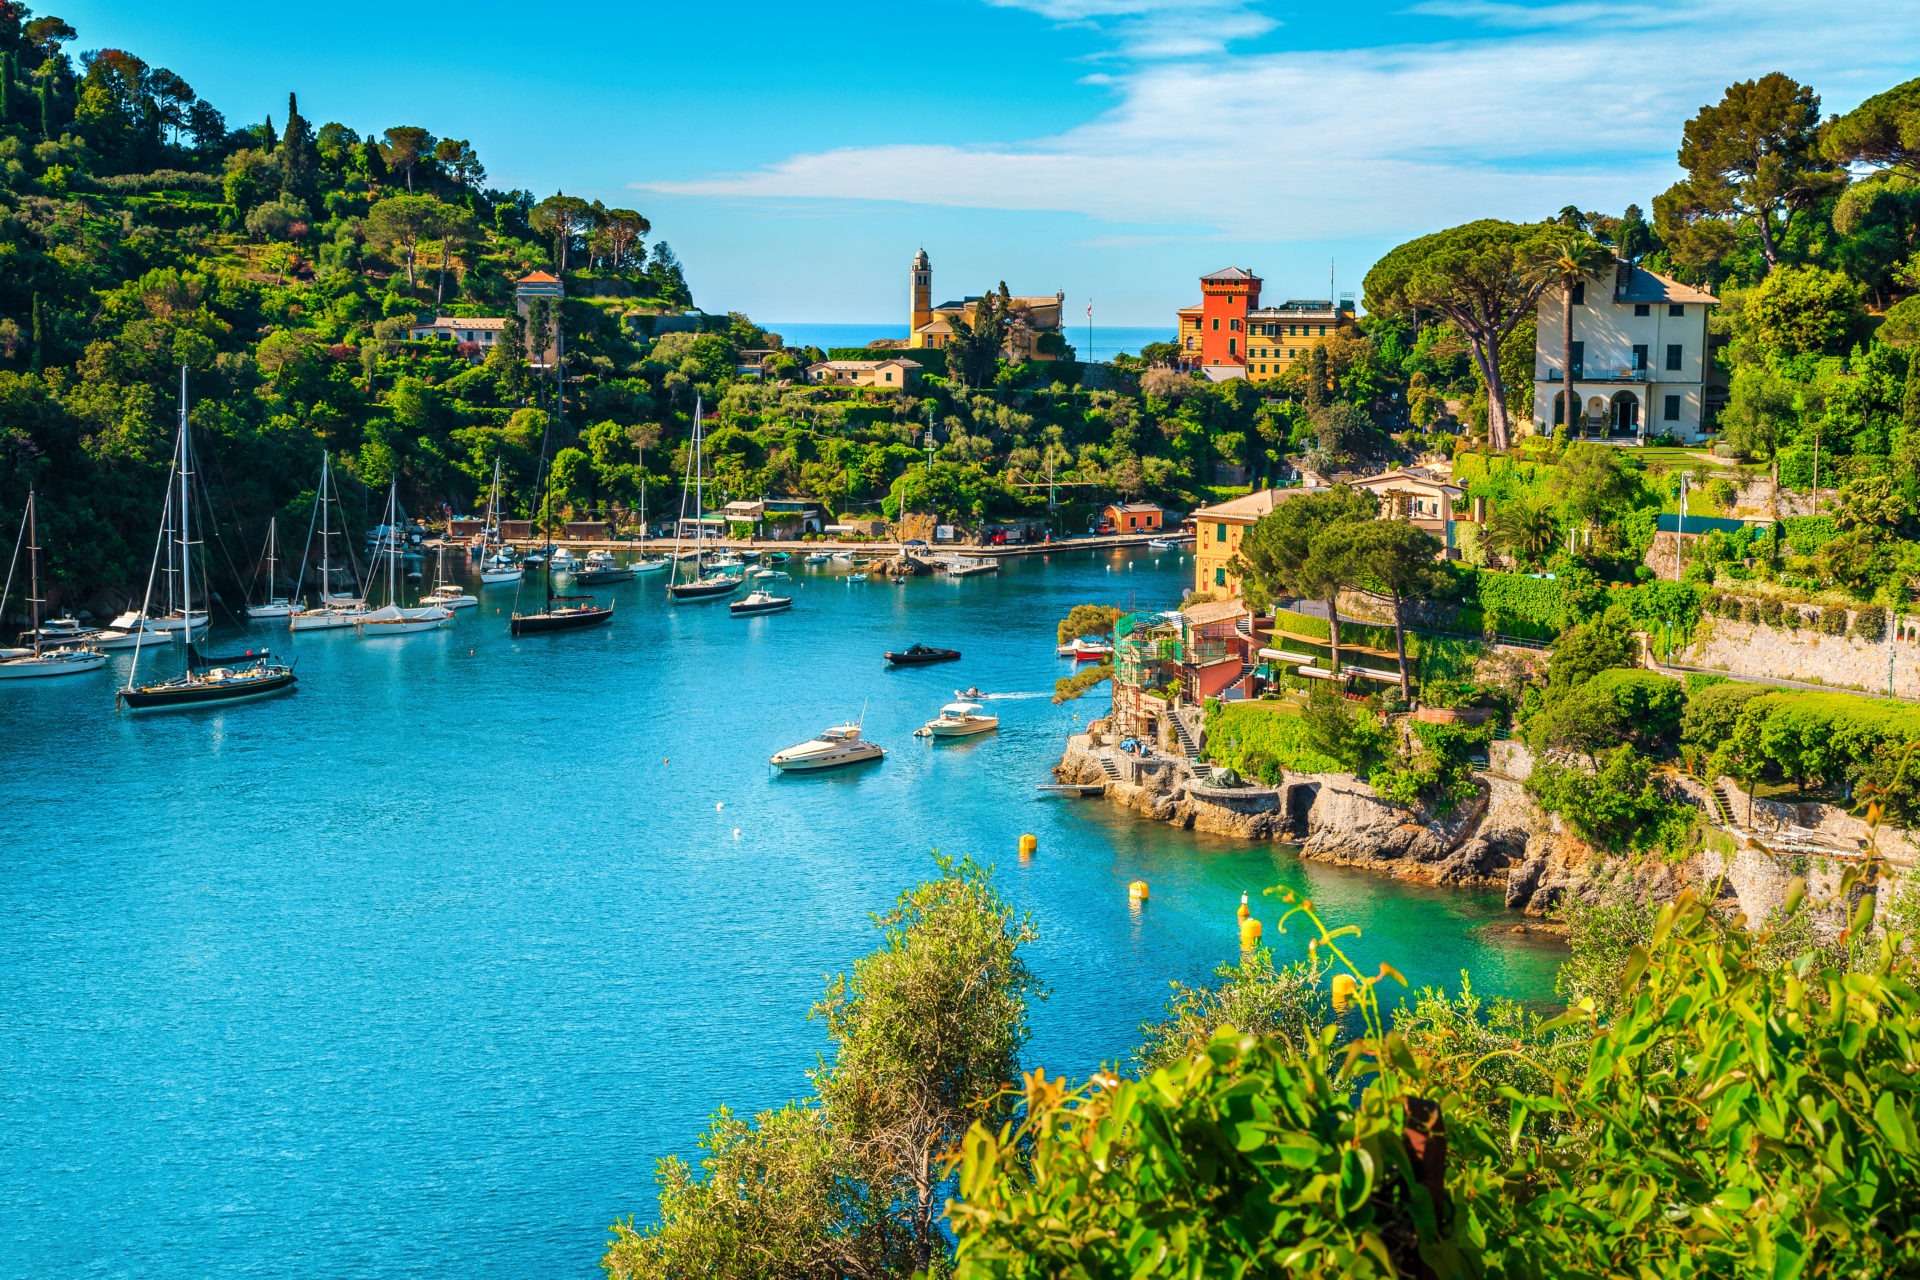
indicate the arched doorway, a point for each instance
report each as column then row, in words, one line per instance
column 1624, row 416
column 1560, row 408
column 1596, row 420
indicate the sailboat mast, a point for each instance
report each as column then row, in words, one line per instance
column 699, row 492
column 186, row 532
column 326, row 533
column 33, row 559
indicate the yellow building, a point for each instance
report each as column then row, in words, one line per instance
column 1035, row 333
column 1217, row 534
column 1278, row 337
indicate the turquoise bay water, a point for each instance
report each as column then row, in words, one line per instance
column 422, row 967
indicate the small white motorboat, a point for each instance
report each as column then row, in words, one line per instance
column 498, row 568
column 856, row 577
column 818, row 557
column 1162, row 544
column 564, row 561
column 961, row 720
column 831, row 749
column 67, row 660
column 651, row 564
column 768, row 575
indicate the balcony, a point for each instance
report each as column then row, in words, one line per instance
column 1618, row 374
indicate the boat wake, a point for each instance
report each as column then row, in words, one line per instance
column 1000, row 697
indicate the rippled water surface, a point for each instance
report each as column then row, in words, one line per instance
column 417, row 971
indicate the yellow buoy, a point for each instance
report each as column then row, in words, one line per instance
column 1137, row 890
column 1244, row 910
column 1028, row 843
column 1344, row 989
column 1249, row 934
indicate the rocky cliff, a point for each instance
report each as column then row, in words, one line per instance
column 1498, row 840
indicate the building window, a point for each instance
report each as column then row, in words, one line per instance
column 1676, row 309
column 1673, row 356
column 1323, row 331
column 1234, row 325
column 1639, row 357
column 1642, row 309
column 1232, row 343
column 1216, row 324
column 1219, row 577
column 1290, row 353
column 1671, row 409
column 1580, row 293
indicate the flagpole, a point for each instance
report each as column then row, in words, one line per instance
column 1089, row 330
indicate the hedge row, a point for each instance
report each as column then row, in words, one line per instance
column 1869, row 622
column 1807, row 534
column 1507, row 599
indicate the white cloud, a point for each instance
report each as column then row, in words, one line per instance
column 1375, row 142
column 1150, row 29
column 1513, row 16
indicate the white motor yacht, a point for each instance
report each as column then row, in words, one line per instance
column 500, row 567
column 1092, row 649
column 830, row 749
column 962, row 720
column 564, row 561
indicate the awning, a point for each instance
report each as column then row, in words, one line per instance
column 1281, row 655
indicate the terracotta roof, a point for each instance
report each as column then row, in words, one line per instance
column 538, row 277
column 864, row 364
column 1199, row 615
column 1133, row 506
column 1251, row 506
column 465, row 322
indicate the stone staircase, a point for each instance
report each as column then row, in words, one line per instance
column 1189, row 746
column 1722, row 805
column 1108, row 767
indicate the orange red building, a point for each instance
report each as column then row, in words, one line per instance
column 1230, row 335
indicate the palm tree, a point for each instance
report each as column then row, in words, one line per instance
column 1568, row 256
column 1523, row 529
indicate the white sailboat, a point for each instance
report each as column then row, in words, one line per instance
column 42, row 659
column 705, row 585
column 332, row 611
column 390, row 619
column 499, row 566
column 275, row 606
column 446, row 594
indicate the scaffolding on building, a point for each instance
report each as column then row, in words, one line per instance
column 1148, row 655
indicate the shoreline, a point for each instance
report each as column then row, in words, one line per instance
column 1499, row 841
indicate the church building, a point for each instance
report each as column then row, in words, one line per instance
column 1036, row 331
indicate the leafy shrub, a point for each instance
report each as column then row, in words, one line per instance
column 1259, row 740
column 1749, row 611
column 1713, row 711
column 1520, row 605
column 1087, row 620
column 1870, row 623
column 1302, row 624
column 1697, row 681
column 1619, row 807
column 1832, row 621
column 1807, row 534
column 1771, row 611
column 1729, row 1115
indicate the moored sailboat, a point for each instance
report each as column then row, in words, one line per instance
column 390, row 619
column 706, row 585
column 332, row 611
column 274, row 606
column 43, row 659
column 205, row 681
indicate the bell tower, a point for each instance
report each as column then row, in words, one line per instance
column 920, row 301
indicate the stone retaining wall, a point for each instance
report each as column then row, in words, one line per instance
column 1844, row 662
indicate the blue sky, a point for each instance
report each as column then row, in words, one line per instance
column 796, row 156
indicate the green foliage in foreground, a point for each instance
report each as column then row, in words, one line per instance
column 1067, row 688
column 1732, row 1116
column 926, row 1033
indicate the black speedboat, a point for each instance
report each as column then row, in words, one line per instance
column 920, row 655
column 563, row 613
column 208, row 680
column 760, row 602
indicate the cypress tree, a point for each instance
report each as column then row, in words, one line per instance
column 270, row 139
column 39, row 338
column 46, row 110
column 1910, row 408
column 6, row 85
